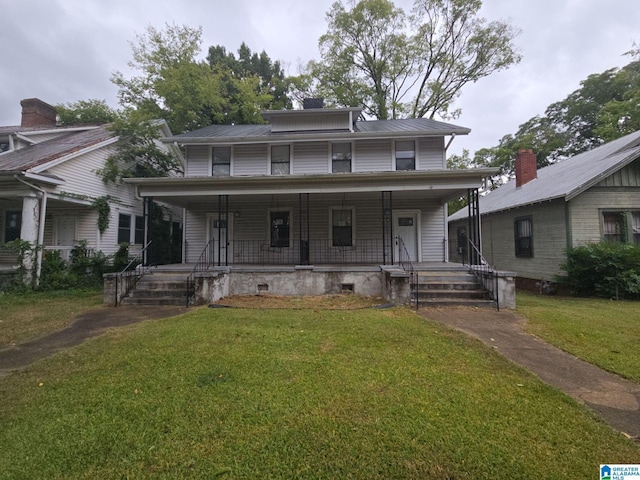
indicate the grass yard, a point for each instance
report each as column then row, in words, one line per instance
column 240, row 393
column 602, row 332
column 31, row 315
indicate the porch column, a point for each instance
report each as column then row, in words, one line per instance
column 387, row 228
column 474, row 236
column 304, row 228
column 29, row 231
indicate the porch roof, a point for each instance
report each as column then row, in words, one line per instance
column 442, row 184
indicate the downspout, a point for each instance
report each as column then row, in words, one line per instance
column 43, row 212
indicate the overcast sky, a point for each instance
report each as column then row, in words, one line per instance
column 63, row 51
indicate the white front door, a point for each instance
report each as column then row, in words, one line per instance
column 221, row 232
column 405, row 226
column 65, row 232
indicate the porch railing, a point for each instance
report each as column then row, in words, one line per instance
column 127, row 279
column 404, row 259
column 204, row 262
column 479, row 266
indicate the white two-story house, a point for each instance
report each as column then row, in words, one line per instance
column 315, row 190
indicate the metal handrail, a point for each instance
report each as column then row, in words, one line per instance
column 202, row 265
column 127, row 278
column 404, row 259
column 484, row 272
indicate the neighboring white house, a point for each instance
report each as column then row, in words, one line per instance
column 315, row 187
column 49, row 182
column 529, row 223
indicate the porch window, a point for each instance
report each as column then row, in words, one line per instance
column 124, row 228
column 139, row 231
column 523, row 229
column 280, row 228
column 405, row 155
column 613, row 228
column 341, row 158
column 342, row 227
column 280, row 160
column 221, row 162
column 12, row 224
column 635, row 227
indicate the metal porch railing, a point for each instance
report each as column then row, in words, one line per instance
column 127, row 279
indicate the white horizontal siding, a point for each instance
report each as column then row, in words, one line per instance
column 250, row 160
column 430, row 154
column 198, row 160
column 309, row 158
column 373, row 156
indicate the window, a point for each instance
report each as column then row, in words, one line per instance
column 342, row 227
column 221, row 162
column 524, row 237
column 341, row 157
column 4, row 147
column 280, row 228
column 613, row 226
column 405, row 155
column 12, row 224
column 635, row 227
column 124, row 228
column 280, row 160
column 139, row 232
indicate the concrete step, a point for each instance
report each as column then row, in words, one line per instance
column 457, row 302
column 452, row 294
column 155, row 285
column 154, row 301
column 156, row 293
column 465, row 285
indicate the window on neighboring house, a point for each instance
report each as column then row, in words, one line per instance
column 405, row 155
column 12, row 224
column 139, row 231
column 124, row 228
column 613, row 226
column 279, row 228
column 523, row 230
column 221, row 162
column 280, row 160
column 342, row 227
column 635, row 227
column 341, row 157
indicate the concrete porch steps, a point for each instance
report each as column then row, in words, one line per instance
column 159, row 288
column 450, row 288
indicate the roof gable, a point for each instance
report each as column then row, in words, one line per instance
column 565, row 179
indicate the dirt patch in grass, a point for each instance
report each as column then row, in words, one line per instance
column 312, row 302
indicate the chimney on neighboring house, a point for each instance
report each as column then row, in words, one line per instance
column 308, row 103
column 38, row 114
column 526, row 167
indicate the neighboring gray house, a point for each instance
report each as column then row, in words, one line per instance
column 528, row 223
column 314, row 191
column 49, row 181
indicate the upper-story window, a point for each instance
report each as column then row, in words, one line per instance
column 406, row 155
column 341, row 157
column 221, row 162
column 280, row 159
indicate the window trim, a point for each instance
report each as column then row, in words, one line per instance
column 270, row 166
column 332, row 159
column 133, row 222
column 5, row 224
column 353, row 226
column 415, row 154
column 211, row 157
column 518, row 249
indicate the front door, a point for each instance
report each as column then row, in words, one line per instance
column 221, row 232
column 406, row 227
column 65, row 231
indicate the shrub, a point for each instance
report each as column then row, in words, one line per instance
column 608, row 270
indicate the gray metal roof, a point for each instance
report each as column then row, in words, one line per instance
column 239, row 133
column 50, row 150
column 564, row 179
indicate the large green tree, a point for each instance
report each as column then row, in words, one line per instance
column 85, row 112
column 396, row 65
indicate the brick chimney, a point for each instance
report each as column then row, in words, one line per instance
column 526, row 167
column 37, row 114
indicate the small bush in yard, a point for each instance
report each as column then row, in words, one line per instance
column 608, row 270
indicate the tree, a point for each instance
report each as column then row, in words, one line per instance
column 394, row 65
column 85, row 112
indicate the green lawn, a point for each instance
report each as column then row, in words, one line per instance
column 309, row 393
column 29, row 315
column 602, row 332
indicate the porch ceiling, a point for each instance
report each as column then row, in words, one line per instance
column 428, row 184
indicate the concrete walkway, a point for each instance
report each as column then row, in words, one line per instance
column 615, row 399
